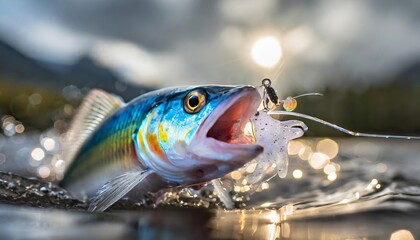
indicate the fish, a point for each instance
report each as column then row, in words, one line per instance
column 172, row 137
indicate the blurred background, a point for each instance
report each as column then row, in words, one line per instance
column 363, row 55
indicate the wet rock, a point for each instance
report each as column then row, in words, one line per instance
column 18, row 190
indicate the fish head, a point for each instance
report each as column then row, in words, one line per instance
column 200, row 133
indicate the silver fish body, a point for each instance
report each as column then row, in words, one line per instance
column 170, row 137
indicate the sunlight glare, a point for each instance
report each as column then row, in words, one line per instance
column 267, row 51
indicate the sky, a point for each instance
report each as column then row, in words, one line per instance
column 350, row 43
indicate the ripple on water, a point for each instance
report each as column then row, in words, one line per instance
column 361, row 202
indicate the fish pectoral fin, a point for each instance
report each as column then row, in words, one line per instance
column 115, row 189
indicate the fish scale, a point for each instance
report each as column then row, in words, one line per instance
column 109, row 147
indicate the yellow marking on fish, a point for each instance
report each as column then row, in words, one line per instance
column 155, row 146
column 140, row 141
column 188, row 131
column 163, row 135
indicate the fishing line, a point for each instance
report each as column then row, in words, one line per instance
column 341, row 129
column 304, row 95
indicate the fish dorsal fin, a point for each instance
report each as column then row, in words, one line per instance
column 96, row 107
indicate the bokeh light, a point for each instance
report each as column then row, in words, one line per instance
column 381, row 167
column 265, row 185
column 236, row 175
column 332, row 176
column 329, row 168
column 48, row 144
column 297, row 173
column 267, row 51
column 372, row 184
column 59, row 165
column 294, row 147
column 19, row 128
column 318, row 160
column 251, row 167
column 38, row 154
column 328, row 147
column 44, row 172
column 402, row 234
column 305, row 152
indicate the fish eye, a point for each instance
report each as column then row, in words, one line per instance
column 194, row 101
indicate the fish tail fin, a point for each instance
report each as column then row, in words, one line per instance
column 96, row 107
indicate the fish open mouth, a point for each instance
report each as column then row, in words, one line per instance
column 231, row 126
column 228, row 122
column 221, row 141
column 223, row 136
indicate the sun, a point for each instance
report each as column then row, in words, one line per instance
column 267, row 51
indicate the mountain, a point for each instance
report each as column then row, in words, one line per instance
column 409, row 76
column 20, row 69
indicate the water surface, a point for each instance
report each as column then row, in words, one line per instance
column 375, row 195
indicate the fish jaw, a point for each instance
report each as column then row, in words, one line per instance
column 221, row 138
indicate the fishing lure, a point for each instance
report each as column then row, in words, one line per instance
column 290, row 103
column 174, row 137
column 274, row 135
column 270, row 97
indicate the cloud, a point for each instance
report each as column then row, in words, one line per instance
column 189, row 42
column 135, row 64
